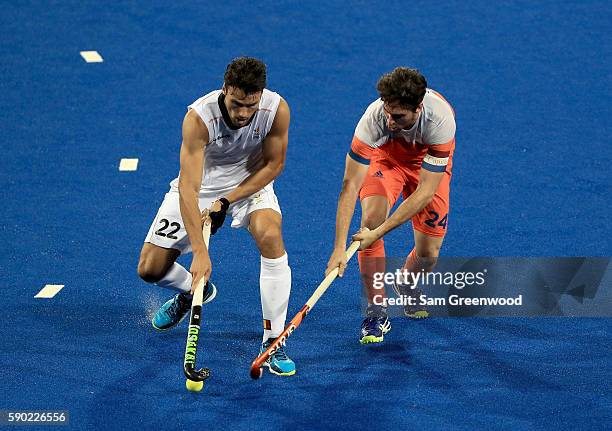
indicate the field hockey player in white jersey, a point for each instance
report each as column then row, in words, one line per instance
column 234, row 146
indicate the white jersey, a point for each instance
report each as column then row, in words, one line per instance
column 232, row 154
column 435, row 126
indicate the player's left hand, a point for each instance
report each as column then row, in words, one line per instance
column 365, row 237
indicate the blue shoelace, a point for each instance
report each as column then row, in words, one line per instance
column 176, row 307
column 279, row 354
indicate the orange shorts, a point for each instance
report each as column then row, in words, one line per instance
column 386, row 178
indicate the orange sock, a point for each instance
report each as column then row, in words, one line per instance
column 416, row 264
column 372, row 260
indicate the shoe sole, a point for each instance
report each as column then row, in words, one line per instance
column 369, row 339
column 169, row 327
column 210, row 298
column 290, row 373
column 421, row 314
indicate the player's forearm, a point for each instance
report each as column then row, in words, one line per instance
column 190, row 213
column 411, row 206
column 344, row 213
column 255, row 182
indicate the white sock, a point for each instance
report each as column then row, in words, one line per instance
column 177, row 278
column 274, row 288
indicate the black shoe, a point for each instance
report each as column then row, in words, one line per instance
column 416, row 311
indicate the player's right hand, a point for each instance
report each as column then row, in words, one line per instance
column 201, row 266
column 337, row 260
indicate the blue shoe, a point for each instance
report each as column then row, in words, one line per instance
column 279, row 363
column 375, row 325
column 176, row 308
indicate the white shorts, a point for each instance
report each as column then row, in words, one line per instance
column 168, row 231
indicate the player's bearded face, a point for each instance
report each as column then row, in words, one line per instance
column 240, row 106
column 399, row 117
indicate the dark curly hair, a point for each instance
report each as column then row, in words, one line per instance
column 402, row 85
column 247, row 74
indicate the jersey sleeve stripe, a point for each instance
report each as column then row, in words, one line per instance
column 433, row 168
column 358, row 158
column 437, row 153
column 361, row 149
column 437, row 161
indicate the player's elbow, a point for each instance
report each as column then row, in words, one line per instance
column 278, row 168
column 182, row 186
column 274, row 166
column 186, row 189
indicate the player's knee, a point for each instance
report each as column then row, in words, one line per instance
column 428, row 262
column 149, row 272
column 428, row 258
column 429, row 250
column 372, row 221
column 270, row 240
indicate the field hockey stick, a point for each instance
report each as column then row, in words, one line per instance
column 256, row 370
column 189, row 363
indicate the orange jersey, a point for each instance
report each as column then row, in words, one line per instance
column 396, row 158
